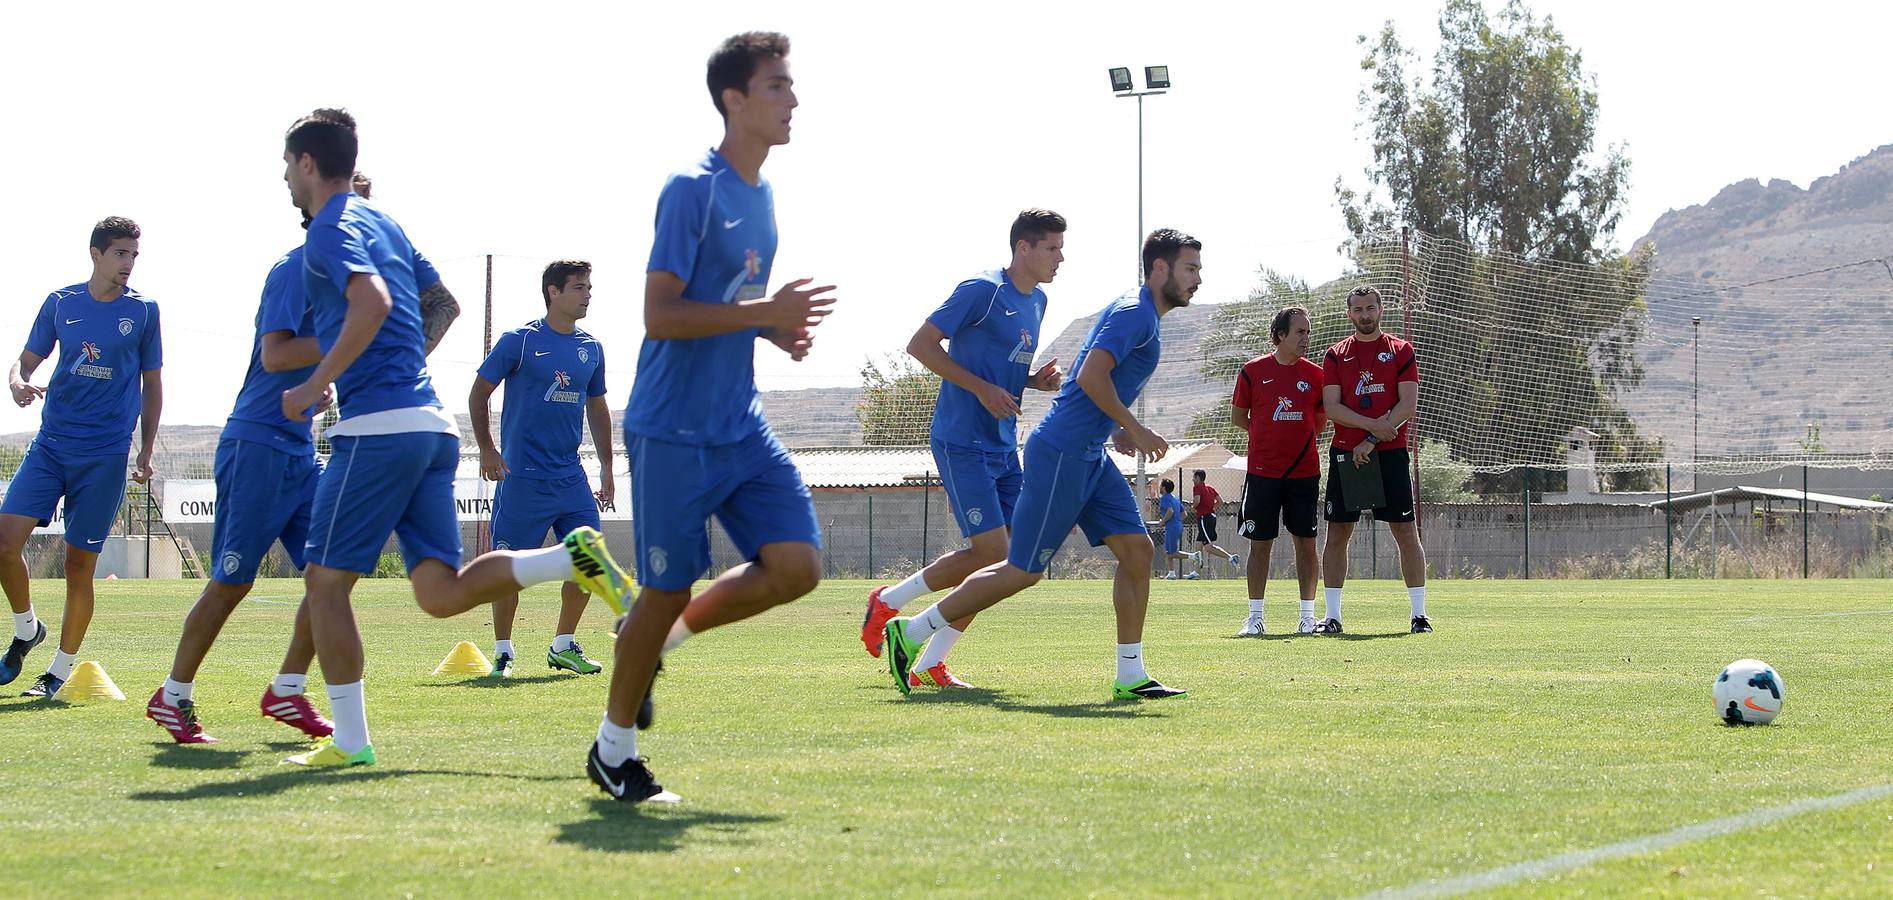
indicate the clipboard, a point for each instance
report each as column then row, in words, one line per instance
column 1360, row 488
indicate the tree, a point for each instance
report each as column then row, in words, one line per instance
column 896, row 405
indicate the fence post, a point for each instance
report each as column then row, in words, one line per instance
column 1373, row 548
column 926, row 491
column 1668, row 522
column 1804, row 521
column 870, row 534
column 147, row 530
column 1527, row 522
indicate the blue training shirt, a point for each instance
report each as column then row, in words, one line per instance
column 1128, row 329
column 548, row 377
column 992, row 330
column 718, row 234
column 258, row 416
column 1174, row 504
column 347, row 236
column 94, row 398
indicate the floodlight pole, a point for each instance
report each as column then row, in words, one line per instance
column 1695, row 403
column 1143, row 480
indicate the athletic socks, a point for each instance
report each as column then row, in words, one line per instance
column 563, row 642
column 1255, row 606
column 679, row 632
column 503, row 648
column 552, row 563
column 1417, row 597
column 938, row 648
column 926, row 625
column 1130, row 664
column 616, row 743
column 286, row 685
column 1308, row 607
column 62, row 664
column 25, row 624
column 349, row 709
column 175, row 691
column 1334, row 602
column 909, row 590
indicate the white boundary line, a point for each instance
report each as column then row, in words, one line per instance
column 1531, row 870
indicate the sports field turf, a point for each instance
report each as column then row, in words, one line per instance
column 1543, row 717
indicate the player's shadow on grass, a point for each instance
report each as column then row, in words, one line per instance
column 650, row 828
column 489, row 681
column 1003, row 702
column 181, row 756
column 296, row 776
column 29, row 704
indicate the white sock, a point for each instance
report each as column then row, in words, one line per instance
column 938, row 648
column 1130, row 664
column 912, row 588
column 176, row 690
column 349, row 710
column 1255, row 606
column 1308, row 607
column 616, row 743
column 25, row 624
column 1417, row 597
column 926, row 625
column 62, row 664
column 1334, row 602
column 564, row 642
column 679, row 632
column 552, row 563
column 503, row 647
column 287, row 685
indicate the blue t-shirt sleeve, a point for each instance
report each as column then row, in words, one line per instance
column 39, row 341
column 597, row 386
column 424, row 274
column 504, row 360
column 1125, row 328
column 681, row 212
column 967, row 304
column 151, row 348
column 336, row 252
column 285, row 304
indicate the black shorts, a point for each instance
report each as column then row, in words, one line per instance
column 1271, row 502
column 1396, row 483
column 1206, row 529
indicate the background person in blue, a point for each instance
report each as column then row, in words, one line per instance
column 1070, row 481
column 991, row 324
column 1170, row 510
column 694, row 430
column 379, row 308
column 110, row 356
column 554, row 374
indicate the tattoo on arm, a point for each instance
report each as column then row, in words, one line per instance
column 438, row 310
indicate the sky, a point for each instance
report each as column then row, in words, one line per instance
column 540, row 131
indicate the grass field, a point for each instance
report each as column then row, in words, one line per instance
column 1542, row 717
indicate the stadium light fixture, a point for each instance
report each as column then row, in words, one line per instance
column 1156, row 81
column 1121, row 80
column 1157, row 78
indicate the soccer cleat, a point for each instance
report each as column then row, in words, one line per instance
column 1421, row 625
column 1252, row 626
column 1192, row 576
column 901, row 653
column 572, row 659
column 16, row 655
column 179, row 721
column 1170, row 576
column 1235, row 561
column 594, row 568
column 1306, row 626
column 296, row 712
column 47, row 685
column 1328, row 626
column 503, row 665
column 874, row 624
column 938, row 676
column 1196, row 556
column 1148, row 689
column 631, row 782
column 326, row 755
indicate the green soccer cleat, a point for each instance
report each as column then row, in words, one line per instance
column 503, row 665
column 596, row 571
column 327, row 755
column 1148, row 689
column 900, row 653
column 572, row 659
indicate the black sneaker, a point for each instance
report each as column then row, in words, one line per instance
column 503, row 666
column 47, row 685
column 1421, row 625
column 631, row 782
column 16, row 655
column 646, row 711
column 1328, row 626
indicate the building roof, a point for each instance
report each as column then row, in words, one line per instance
column 1740, row 493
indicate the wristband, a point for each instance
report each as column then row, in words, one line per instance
column 1373, row 440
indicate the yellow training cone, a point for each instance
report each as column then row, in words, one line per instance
column 89, row 682
column 464, row 659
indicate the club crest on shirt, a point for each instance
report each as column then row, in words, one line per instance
column 85, row 367
column 1285, row 411
column 1303, row 386
column 124, row 326
column 556, row 393
column 581, row 354
column 1386, row 356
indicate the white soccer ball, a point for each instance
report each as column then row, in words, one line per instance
column 1748, row 692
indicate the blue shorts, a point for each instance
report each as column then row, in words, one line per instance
column 1173, row 539
column 752, row 487
column 525, row 508
column 263, row 495
column 982, row 487
column 381, row 484
column 1062, row 490
column 92, row 485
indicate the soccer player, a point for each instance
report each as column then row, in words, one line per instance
column 1170, row 516
column 1371, row 389
column 1205, row 497
column 379, row 309
column 1070, row 481
column 991, row 325
column 694, row 429
column 110, row 359
column 554, row 374
column 1278, row 404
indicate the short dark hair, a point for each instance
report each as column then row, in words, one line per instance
column 362, row 184
column 1201, row 475
column 112, row 228
column 1165, row 244
column 1033, row 225
column 328, row 137
column 1169, row 485
column 1284, row 317
column 557, row 272
column 1365, row 290
column 735, row 61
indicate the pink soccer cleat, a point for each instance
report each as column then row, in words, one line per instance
column 297, row 713
column 874, row 624
column 179, row 721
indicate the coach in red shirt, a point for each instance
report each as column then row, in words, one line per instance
column 1371, row 390
column 1278, row 403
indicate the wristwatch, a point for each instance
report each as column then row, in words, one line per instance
column 1373, row 440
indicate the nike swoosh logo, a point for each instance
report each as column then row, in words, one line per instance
column 71, row 321
column 1347, row 359
column 1012, row 312
column 732, row 223
column 99, row 541
column 540, row 352
column 1751, row 704
column 1268, row 381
